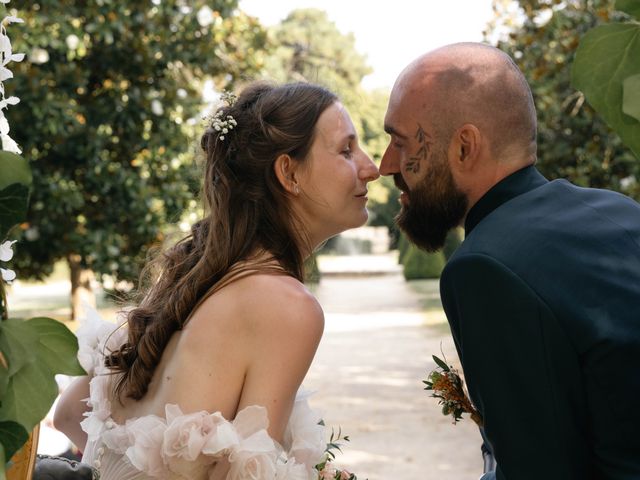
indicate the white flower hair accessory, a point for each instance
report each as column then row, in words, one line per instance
column 224, row 123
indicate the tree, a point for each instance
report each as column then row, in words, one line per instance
column 110, row 93
column 309, row 47
column 573, row 140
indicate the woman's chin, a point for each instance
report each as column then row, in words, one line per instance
column 361, row 221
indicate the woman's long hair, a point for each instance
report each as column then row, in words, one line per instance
column 246, row 210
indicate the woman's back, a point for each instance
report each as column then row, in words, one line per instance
column 228, row 359
column 234, row 332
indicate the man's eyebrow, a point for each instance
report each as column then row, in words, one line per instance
column 392, row 131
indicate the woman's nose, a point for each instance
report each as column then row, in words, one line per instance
column 368, row 169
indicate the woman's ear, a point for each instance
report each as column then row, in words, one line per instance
column 285, row 169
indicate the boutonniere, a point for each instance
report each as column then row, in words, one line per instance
column 447, row 386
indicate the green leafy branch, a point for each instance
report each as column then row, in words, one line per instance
column 607, row 70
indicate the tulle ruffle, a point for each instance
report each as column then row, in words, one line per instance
column 187, row 445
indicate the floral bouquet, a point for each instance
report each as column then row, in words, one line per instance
column 326, row 471
column 448, row 387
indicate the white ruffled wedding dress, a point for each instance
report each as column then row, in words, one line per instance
column 187, row 446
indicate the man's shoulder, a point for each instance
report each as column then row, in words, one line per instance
column 556, row 210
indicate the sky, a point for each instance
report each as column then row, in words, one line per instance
column 392, row 33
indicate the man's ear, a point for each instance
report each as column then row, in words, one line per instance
column 465, row 148
column 285, row 169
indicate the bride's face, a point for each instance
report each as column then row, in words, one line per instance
column 333, row 180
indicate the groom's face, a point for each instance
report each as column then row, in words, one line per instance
column 432, row 204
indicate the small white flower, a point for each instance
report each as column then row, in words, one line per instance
column 9, row 101
column 8, row 275
column 205, row 16
column 4, row 124
column 39, row 56
column 8, row 143
column 11, row 19
column 32, row 234
column 156, row 107
column 6, row 252
column 5, row 73
column 72, row 42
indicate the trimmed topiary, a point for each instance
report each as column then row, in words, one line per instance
column 420, row 265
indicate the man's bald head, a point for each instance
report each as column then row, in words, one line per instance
column 472, row 83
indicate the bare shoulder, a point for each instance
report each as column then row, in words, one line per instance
column 278, row 302
column 266, row 305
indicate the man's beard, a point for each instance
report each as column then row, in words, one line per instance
column 435, row 206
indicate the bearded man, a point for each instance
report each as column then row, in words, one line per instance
column 543, row 296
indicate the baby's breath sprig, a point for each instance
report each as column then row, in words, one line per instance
column 228, row 97
column 219, row 121
column 446, row 384
column 223, row 125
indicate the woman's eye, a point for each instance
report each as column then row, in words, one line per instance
column 347, row 152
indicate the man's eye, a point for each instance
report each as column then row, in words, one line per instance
column 347, row 152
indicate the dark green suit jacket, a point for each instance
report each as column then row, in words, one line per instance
column 543, row 299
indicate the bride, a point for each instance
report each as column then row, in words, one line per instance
column 201, row 382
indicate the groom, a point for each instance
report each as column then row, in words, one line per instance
column 543, row 296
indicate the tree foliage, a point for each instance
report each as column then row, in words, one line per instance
column 573, row 140
column 418, row 264
column 109, row 94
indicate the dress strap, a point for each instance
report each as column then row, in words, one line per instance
column 235, row 273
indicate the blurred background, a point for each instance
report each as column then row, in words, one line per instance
column 112, row 99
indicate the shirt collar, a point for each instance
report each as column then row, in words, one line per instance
column 509, row 187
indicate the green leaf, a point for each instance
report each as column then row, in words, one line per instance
column 631, row 96
column 4, row 380
column 606, row 56
column 18, row 343
column 631, row 7
column 3, row 463
column 12, row 437
column 32, row 389
column 29, row 396
column 58, row 347
column 441, row 363
column 13, row 206
column 13, row 169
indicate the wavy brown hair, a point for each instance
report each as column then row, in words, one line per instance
column 246, row 211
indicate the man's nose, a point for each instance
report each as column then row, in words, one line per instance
column 389, row 163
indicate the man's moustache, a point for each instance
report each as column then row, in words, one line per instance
column 400, row 183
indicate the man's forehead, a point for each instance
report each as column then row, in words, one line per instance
column 403, row 112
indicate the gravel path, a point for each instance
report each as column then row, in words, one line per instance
column 368, row 376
